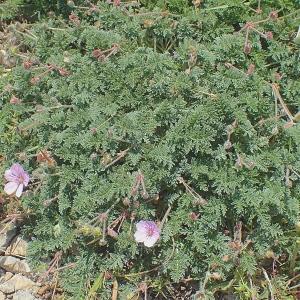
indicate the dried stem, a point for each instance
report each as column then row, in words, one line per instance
column 278, row 96
column 269, row 284
column 120, row 156
column 195, row 195
column 165, row 217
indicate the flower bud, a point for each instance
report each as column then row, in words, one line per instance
column 269, row 35
column 22, row 156
column 35, row 80
column 107, row 275
column 148, row 23
column 112, row 233
column 227, row 145
column 193, row 216
column 251, row 69
column 102, row 242
column 216, row 276
column 225, row 258
column 102, row 217
column 133, row 191
column 269, row 254
column 136, row 204
column 247, row 48
column 63, row 72
column 93, row 130
column 14, row 100
column 27, row 64
column 71, row 3
column 126, row 201
column 273, row 15
column 74, row 19
column 145, row 195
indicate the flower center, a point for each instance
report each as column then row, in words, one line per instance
column 150, row 231
column 21, row 179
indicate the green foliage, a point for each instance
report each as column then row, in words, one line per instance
column 116, row 92
column 9, row 8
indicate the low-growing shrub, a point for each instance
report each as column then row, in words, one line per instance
column 184, row 114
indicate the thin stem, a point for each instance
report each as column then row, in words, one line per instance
column 155, row 268
column 208, row 94
column 288, row 15
column 165, row 217
column 269, row 283
column 285, row 108
column 203, row 285
column 294, row 287
column 120, row 156
column 26, row 34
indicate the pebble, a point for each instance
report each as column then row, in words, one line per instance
column 14, row 265
column 23, row 295
column 18, row 247
column 16, row 283
column 8, row 231
column 6, row 277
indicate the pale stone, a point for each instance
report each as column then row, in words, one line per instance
column 14, row 265
column 2, row 273
column 2, row 296
column 7, row 233
column 16, row 283
column 23, row 295
column 6, row 277
column 18, row 247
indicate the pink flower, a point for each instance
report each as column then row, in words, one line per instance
column 147, row 232
column 269, row 35
column 17, row 178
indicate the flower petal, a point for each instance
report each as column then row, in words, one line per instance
column 17, row 169
column 150, row 241
column 142, row 226
column 19, row 190
column 26, row 178
column 10, row 187
column 140, row 236
column 10, row 176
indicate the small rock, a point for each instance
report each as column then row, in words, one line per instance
column 16, row 283
column 18, row 247
column 6, row 277
column 2, row 296
column 8, row 231
column 14, row 265
column 23, row 295
column 2, row 272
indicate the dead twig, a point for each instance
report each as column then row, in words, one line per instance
column 284, row 106
column 200, row 200
column 269, row 284
column 119, row 157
